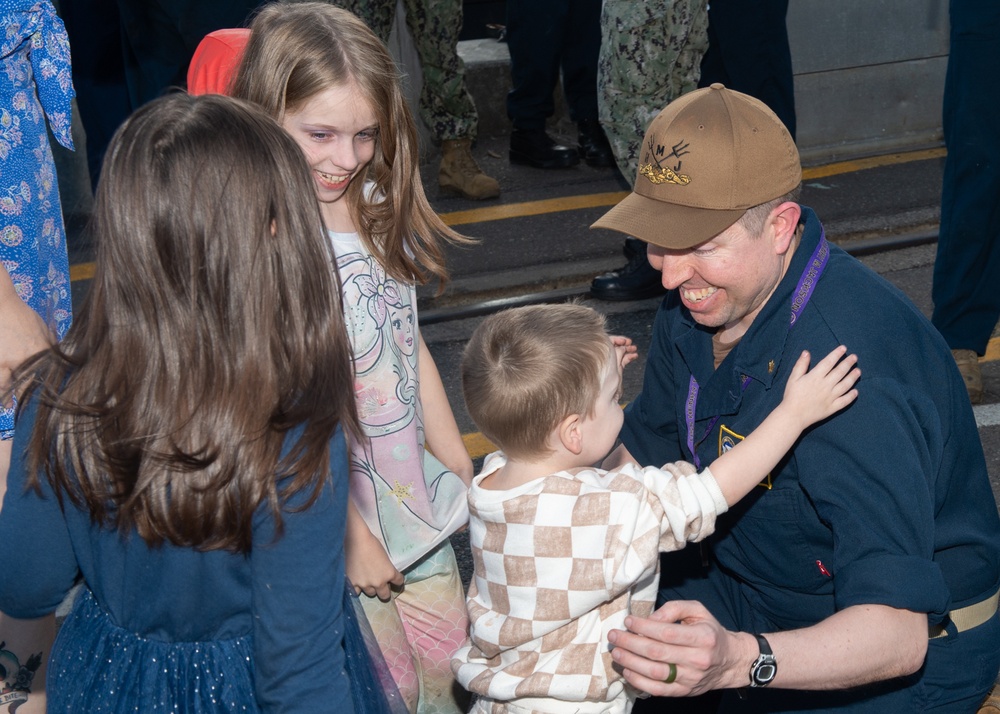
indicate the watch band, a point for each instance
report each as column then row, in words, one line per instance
column 765, row 667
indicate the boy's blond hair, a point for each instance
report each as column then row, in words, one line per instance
column 526, row 369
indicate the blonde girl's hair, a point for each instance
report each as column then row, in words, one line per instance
column 297, row 50
column 526, row 369
column 209, row 367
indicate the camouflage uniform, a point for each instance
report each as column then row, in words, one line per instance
column 445, row 104
column 651, row 53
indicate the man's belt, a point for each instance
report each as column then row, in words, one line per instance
column 967, row 617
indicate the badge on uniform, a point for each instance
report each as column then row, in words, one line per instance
column 727, row 440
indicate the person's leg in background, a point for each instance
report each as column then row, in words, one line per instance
column 535, row 38
column 159, row 37
column 445, row 103
column 650, row 55
column 151, row 47
column 98, row 73
column 579, row 76
column 748, row 51
column 967, row 268
column 377, row 14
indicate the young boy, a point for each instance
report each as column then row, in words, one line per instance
column 564, row 550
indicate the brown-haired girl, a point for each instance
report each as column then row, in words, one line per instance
column 182, row 449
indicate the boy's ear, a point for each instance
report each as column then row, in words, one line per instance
column 569, row 434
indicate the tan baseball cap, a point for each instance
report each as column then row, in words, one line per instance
column 706, row 158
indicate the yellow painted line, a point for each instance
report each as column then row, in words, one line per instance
column 81, row 271
column 532, row 208
column 478, row 445
column 992, row 351
column 843, row 167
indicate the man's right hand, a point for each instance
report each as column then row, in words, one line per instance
column 682, row 633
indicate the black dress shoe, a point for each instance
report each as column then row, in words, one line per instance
column 594, row 146
column 533, row 147
column 636, row 280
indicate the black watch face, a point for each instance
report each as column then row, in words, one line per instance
column 765, row 672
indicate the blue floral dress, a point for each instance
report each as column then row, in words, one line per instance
column 35, row 77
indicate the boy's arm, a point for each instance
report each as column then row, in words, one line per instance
column 810, row 396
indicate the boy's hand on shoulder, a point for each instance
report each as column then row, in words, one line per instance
column 812, row 395
column 624, row 349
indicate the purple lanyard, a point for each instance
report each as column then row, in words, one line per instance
column 803, row 292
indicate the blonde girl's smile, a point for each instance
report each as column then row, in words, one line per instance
column 331, row 182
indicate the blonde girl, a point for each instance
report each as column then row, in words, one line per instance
column 335, row 89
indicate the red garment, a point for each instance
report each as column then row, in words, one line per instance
column 215, row 60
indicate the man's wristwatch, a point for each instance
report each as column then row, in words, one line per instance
column 765, row 667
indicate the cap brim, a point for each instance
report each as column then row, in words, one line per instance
column 667, row 224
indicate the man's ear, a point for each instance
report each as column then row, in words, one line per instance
column 570, row 435
column 784, row 221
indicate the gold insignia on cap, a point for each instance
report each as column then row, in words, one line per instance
column 660, row 175
column 770, row 366
column 665, row 174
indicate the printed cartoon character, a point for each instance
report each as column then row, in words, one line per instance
column 401, row 320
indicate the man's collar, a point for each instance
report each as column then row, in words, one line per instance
column 761, row 347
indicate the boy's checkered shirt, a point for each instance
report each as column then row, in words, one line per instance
column 561, row 561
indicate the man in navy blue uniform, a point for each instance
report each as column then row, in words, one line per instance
column 868, row 563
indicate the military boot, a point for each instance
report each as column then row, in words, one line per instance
column 968, row 365
column 461, row 174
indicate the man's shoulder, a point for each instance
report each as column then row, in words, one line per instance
column 852, row 293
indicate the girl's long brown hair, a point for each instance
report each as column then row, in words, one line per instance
column 297, row 50
column 207, row 338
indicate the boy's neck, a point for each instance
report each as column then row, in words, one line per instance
column 517, row 472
